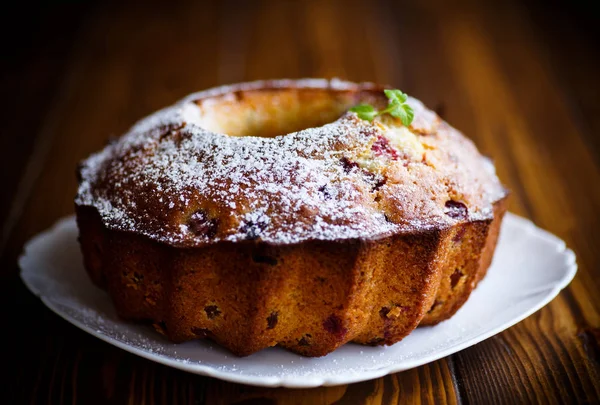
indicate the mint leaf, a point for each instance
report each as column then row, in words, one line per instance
column 365, row 111
column 410, row 113
column 395, row 95
column 397, row 107
column 404, row 112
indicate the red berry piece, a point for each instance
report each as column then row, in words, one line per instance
column 333, row 325
column 382, row 147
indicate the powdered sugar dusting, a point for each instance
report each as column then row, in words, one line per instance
column 283, row 190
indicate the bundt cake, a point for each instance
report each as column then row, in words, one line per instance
column 269, row 213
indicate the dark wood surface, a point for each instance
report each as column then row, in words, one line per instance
column 521, row 79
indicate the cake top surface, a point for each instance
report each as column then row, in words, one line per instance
column 234, row 163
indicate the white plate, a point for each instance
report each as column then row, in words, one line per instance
column 530, row 268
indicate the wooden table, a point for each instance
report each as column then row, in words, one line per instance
column 520, row 79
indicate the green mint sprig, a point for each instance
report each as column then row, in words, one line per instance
column 397, row 107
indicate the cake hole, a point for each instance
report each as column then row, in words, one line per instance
column 456, row 209
column 272, row 320
column 201, row 224
column 200, row 332
column 305, row 340
column 270, row 112
column 456, row 277
column 383, row 312
column 212, row 311
column 435, row 305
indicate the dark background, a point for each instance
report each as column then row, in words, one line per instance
column 520, row 78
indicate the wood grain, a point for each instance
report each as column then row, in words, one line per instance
column 521, row 85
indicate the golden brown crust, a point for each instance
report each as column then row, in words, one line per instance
column 470, row 253
column 309, row 298
column 350, row 232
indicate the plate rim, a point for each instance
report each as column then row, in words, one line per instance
column 312, row 382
